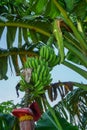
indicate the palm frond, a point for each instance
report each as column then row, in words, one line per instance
column 74, row 108
column 61, row 89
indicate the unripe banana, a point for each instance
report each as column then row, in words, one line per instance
column 40, row 87
column 33, row 64
column 50, row 58
column 47, row 53
column 52, row 63
column 37, row 84
column 36, row 77
column 49, row 76
column 29, row 62
column 41, row 76
column 42, row 54
column 38, row 70
column 36, row 62
column 57, row 60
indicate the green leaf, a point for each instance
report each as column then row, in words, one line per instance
column 65, row 125
column 15, row 61
column 11, row 32
column 8, row 122
column 81, row 56
column 47, row 122
column 20, row 37
column 39, row 6
column 71, row 25
column 33, row 36
column 4, row 67
column 58, row 125
column 51, row 10
column 69, row 4
column 1, row 31
column 81, row 9
column 25, row 34
column 71, row 57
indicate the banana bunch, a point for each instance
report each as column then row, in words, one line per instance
column 48, row 53
column 40, row 76
column 41, row 67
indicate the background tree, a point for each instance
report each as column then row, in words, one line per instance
column 32, row 25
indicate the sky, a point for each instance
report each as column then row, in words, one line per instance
column 7, row 87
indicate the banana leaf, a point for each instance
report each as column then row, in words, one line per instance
column 47, row 123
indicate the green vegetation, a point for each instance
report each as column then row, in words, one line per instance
column 39, row 24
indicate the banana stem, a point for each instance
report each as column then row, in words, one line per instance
column 71, row 25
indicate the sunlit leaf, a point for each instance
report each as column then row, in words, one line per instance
column 39, row 6
column 51, row 10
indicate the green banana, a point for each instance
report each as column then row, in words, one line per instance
column 38, row 70
column 36, row 77
column 42, row 73
column 40, row 87
column 49, row 81
column 36, row 62
column 32, row 77
column 49, row 76
column 50, row 58
column 33, row 63
column 22, row 85
column 41, row 68
column 29, row 62
column 57, row 60
column 46, row 72
column 46, row 53
column 37, row 84
column 42, row 54
column 54, row 61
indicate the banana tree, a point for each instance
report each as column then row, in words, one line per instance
column 9, row 122
column 37, row 23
